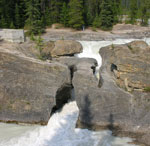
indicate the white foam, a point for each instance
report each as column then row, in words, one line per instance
column 61, row 131
column 91, row 48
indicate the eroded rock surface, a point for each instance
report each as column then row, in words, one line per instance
column 104, row 104
column 62, row 48
column 129, row 63
column 29, row 88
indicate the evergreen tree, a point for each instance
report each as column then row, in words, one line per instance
column 76, row 14
column 144, row 13
column 106, row 15
column 133, row 11
column 3, row 22
column 96, row 22
column 12, row 25
column 5, row 14
column 34, row 17
column 116, row 4
column 17, row 17
column 56, row 6
column 92, row 9
column 48, row 18
column 64, row 15
column 22, row 13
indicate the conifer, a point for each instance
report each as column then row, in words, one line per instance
column 17, row 17
column 64, row 15
column 133, row 11
column 34, row 17
column 96, row 22
column 76, row 14
column 106, row 15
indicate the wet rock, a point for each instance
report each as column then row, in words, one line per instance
column 107, row 103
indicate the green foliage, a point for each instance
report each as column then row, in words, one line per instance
column 112, row 46
column 94, row 29
column 147, row 89
column 133, row 11
column 144, row 12
column 55, row 8
column 12, row 25
column 33, row 14
column 96, row 22
column 48, row 20
column 106, row 15
column 76, row 14
column 64, row 16
column 39, row 43
column 116, row 7
column 17, row 17
column 32, row 37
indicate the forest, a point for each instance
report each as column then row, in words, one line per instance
column 36, row 15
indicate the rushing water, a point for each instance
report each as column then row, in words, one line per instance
column 61, row 130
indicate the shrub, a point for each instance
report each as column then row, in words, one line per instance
column 147, row 89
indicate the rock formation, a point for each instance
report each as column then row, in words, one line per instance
column 30, row 88
column 119, row 101
column 62, row 48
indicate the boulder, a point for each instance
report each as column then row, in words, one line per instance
column 129, row 64
column 62, row 48
column 107, row 104
column 48, row 47
column 30, row 88
column 74, row 61
column 74, row 64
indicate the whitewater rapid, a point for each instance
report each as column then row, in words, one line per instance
column 61, row 130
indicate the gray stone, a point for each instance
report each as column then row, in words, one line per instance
column 103, row 104
column 12, row 35
column 30, row 88
column 62, row 48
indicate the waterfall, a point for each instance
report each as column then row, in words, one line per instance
column 61, row 130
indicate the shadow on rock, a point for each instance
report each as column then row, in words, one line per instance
column 111, row 121
column 86, row 114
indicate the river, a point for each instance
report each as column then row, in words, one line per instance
column 61, row 130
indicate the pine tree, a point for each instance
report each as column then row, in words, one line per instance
column 34, row 17
column 144, row 13
column 48, row 19
column 116, row 10
column 64, row 15
column 96, row 22
column 3, row 22
column 5, row 14
column 17, row 17
column 12, row 25
column 56, row 6
column 106, row 15
column 22, row 12
column 76, row 14
column 92, row 9
column 133, row 11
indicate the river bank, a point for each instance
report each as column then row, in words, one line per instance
column 22, row 60
column 119, row 31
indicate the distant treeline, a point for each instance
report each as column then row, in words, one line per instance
column 35, row 15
